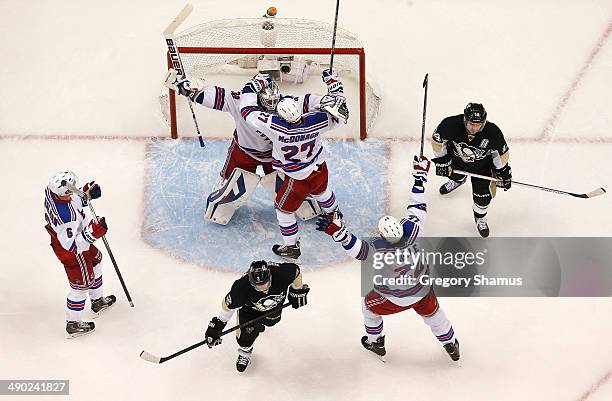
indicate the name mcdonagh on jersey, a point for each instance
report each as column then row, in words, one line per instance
column 297, row 138
column 426, row 280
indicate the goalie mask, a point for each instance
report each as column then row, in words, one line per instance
column 269, row 96
column 260, row 275
column 390, row 229
column 289, row 110
column 57, row 183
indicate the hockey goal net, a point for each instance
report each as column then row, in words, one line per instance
column 293, row 51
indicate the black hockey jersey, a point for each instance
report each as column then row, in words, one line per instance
column 243, row 295
column 481, row 153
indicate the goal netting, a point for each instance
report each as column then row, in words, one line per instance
column 294, row 51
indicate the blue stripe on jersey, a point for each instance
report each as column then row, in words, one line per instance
column 64, row 211
column 219, row 98
column 306, row 103
column 310, row 122
column 421, row 206
column 411, row 235
column 351, row 243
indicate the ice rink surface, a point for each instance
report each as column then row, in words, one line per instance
column 80, row 91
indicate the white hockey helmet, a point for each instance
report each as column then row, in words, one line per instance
column 289, row 110
column 269, row 96
column 57, row 183
column 390, row 229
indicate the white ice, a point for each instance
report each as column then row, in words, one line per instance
column 80, row 82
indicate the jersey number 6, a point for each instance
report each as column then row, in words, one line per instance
column 291, row 151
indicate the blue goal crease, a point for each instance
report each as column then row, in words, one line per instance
column 181, row 175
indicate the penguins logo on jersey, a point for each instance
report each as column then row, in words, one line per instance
column 269, row 302
column 469, row 153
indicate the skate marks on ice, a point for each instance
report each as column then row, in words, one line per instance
column 181, row 175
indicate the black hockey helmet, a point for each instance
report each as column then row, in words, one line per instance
column 260, row 275
column 475, row 112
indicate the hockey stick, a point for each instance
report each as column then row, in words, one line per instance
column 333, row 46
column 176, row 57
column 425, row 85
column 147, row 356
column 592, row 194
column 84, row 196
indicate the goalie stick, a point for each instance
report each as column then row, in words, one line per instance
column 592, row 194
column 147, row 356
column 86, row 198
column 175, row 57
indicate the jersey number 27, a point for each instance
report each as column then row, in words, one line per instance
column 291, row 151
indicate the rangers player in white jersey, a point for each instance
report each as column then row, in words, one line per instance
column 297, row 151
column 385, row 298
column 249, row 147
column 72, row 236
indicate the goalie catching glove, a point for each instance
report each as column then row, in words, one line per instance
column 213, row 332
column 297, row 296
column 336, row 106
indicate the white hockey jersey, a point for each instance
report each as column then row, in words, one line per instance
column 409, row 293
column 66, row 222
column 254, row 143
column 297, row 149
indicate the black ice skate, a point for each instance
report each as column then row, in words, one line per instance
column 101, row 304
column 450, row 186
column 377, row 347
column 76, row 329
column 483, row 227
column 243, row 360
column 291, row 252
column 453, row 350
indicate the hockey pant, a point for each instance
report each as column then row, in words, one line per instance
column 375, row 305
column 246, row 336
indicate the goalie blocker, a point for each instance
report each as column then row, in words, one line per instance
column 238, row 189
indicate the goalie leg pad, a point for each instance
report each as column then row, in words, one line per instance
column 308, row 209
column 222, row 203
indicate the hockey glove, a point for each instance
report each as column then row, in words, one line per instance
column 257, row 84
column 336, row 106
column 213, row 332
column 297, row 296
column 332, row 225
column 181, row 85
column 443, row 165
column 334, row 86
column 505, row 173
column 92, row 190
column 95, row 230
column 420, row 168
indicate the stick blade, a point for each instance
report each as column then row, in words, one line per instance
column 596, row 192
column 150, row 357
column 180, row 18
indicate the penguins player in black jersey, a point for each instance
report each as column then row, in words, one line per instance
column 470, row 143
column 263, row 288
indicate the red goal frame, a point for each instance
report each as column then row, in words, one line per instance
column 271, row 50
